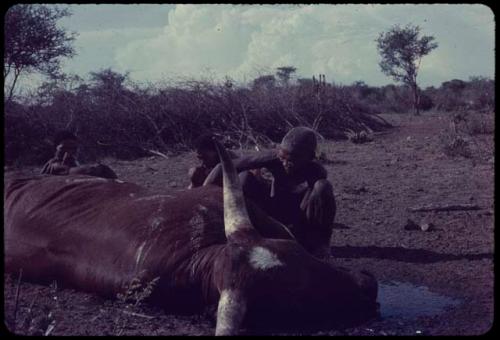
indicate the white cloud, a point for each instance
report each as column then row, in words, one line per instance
column 338, row 40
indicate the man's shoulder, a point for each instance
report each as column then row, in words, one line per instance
column 262, row 156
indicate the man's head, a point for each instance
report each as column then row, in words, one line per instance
column 66, row 142
column 205, row 150
column 297, row 148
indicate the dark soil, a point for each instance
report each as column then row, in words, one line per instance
column 375, row 185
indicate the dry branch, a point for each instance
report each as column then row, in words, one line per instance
column 158, row 153
column 451, row 207
column 138, row 314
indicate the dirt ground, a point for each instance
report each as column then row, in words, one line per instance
column 376, row 184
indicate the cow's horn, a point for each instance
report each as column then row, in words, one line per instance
column 230, row 312
column 235, row 212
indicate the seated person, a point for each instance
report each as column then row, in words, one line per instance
column 66, row 144
column 299, row 196
column 64, row 161
column 207, row 154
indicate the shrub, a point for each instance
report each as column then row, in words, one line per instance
column 455, row 145
column 113, row 116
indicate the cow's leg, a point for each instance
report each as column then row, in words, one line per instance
column 318, row 213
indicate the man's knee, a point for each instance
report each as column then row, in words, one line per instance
column 320, row 206
column 323, row 187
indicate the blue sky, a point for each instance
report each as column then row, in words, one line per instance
column 155, row 42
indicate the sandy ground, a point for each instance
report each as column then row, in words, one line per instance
column 435, row 282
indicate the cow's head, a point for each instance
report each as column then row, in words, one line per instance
column 258, row 275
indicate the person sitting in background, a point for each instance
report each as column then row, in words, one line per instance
column 66, row 144
column 207, row 154
column 64, row 161
column 299, row 196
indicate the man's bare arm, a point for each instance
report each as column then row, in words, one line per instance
column 253, row 161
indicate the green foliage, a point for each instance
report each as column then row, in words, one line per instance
column 402, row 50
column 284, row 73
column 33, row 42
column 476, row 94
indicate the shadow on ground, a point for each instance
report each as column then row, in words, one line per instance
column 403, row 254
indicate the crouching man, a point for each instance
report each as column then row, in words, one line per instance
column 299, row 195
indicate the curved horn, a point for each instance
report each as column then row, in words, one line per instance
column 230, row 312
column 235, row 212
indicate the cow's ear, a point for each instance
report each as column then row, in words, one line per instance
column 230, row 311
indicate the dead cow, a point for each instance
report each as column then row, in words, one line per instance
column 97, row 234
column 97, row 170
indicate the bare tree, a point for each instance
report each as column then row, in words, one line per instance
column 402, row 50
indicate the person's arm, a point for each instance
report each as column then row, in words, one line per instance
column 253, row 161
column 54, row 167
column 316, row 176
column 46, row 168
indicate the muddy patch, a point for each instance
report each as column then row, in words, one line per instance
column 407, row 301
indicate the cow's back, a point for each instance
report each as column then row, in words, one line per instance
column 96, row 234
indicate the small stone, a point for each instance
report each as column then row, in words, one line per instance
column 427, row 227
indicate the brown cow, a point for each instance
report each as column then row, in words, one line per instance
column 97, row 170
column 97, row 234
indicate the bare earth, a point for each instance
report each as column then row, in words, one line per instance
column 375, row 185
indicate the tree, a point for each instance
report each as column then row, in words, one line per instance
column 33, row 42
column 266, row 81
column 402, row 50
column 284, row 73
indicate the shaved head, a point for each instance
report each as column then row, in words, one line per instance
column 300, row 141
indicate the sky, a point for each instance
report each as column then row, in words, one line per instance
column 155, row 42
